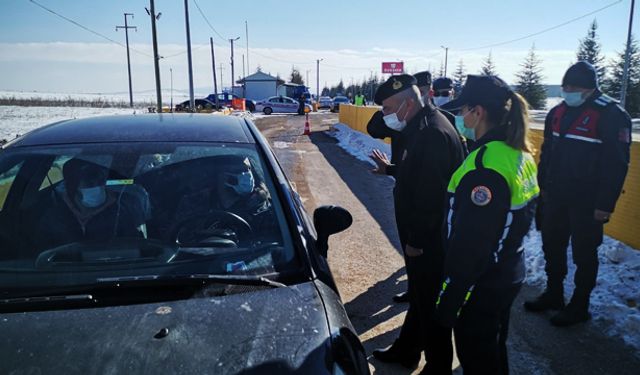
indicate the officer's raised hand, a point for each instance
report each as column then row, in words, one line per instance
column 381, row 160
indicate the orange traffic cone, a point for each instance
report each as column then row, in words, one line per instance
column 307, row 127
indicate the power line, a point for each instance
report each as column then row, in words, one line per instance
column 86, row 28
column 207, row 21
column 542, row 31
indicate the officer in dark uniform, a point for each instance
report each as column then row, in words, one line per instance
column 583, row 164
column 492, row 202
column 442, row 91
column 423, row 81
column 432, row 152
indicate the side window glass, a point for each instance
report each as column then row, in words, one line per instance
column 6, row 181
column 54, row 174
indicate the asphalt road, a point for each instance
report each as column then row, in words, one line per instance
column 368, row 267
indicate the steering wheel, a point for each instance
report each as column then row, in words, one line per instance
column 215, row 228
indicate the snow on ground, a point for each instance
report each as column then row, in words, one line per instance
column 16, row 120
column 138, row 97
column 616, row 298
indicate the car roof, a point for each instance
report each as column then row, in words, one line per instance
column 167, row 127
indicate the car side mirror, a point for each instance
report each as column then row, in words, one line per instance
column 329, row 220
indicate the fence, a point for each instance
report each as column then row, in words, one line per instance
column 625, row 222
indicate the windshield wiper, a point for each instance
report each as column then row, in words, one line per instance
column 142, row 280
column 9, row 304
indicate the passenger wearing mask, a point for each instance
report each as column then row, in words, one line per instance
column 491, row 205
column 583, row 165
column 432, row 151
column 83, row 209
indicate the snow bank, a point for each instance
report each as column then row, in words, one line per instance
column 616, row 298
column 15, row 120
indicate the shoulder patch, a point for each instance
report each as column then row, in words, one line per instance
column 481, row 195
column 604, row 100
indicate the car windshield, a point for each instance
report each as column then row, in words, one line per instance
column 75, row 214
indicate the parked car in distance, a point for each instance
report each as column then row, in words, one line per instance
column 200, row 104
column 335, row 104
column 325, row 102
column 194, row 254
column 279, row 104
column 225, row 98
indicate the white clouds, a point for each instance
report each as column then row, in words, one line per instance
column 72, row 66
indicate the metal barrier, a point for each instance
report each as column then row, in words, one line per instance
column 625, row 222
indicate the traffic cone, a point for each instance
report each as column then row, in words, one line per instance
column 307, row 127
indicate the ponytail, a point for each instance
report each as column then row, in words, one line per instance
column 517, row 122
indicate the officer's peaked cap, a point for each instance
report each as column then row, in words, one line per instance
column 482, row 90
column 394, row 85
column 423, row 78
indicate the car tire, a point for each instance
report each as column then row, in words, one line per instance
column 267, row 111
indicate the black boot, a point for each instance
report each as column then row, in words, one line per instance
column 395, row 354
column 577, row 311
column 550, row 299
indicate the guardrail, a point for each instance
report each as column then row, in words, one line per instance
column 625, row 222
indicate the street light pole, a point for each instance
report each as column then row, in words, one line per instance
column 171, row 73
column 627, row 57
column 232, row 71
column 213, row 68
column 192, row 103
column 156, row 57
column 318, row 78
column 126, row 28
column 446, row 56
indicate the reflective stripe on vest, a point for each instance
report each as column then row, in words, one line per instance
column 585, row 126
column 518, row 168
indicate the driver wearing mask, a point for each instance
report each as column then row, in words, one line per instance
column 85, row 210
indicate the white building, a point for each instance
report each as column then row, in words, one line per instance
column 259, row 86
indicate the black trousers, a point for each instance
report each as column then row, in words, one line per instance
column 563, row 221
column 482, row 329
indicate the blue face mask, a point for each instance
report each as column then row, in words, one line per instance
column 463, row 130
column 93, row 197
column 573, row 99
column 242, row 183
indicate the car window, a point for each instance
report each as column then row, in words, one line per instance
column 6, row 181
column 100, row 210
column 274, row 100
column 287, row 100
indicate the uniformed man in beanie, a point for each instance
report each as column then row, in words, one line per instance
column 431, row 153
column 442, row 91
column 583, row 164
column 423, row 81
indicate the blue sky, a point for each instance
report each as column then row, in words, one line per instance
column 39, row 51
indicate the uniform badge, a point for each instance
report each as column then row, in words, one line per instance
column 481, row 195
column 397, row 85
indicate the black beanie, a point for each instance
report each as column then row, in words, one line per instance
column 581, row 74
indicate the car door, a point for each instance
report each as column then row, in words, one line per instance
column 289, row 105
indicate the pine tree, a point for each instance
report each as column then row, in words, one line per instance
column 488, row 66
column 459, row 77
column 612, row 85
column 589, row 50
column 296, row 77
column 530, row 81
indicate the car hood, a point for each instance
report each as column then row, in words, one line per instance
column 280, row 330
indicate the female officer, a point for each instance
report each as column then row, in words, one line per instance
column 491, row 206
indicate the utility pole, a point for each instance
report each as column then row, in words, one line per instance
column 318, row 78
column 171, row 73
column 446, row 56
column 232, row 71
column 246, row 29
column 192, row 103
column 156, row 57
column 126, row 28
column 307, row 81
column 221, row 76
column 244, row 79
column 627, row 57
column 213, row 68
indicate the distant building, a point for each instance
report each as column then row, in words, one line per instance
column 259, row 86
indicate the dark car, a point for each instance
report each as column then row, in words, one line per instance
column 335, row 105
column 164, row 243
column 200, row 104
column 225, row 99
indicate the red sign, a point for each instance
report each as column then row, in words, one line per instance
column 393, row 67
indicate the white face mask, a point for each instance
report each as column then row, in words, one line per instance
column 244, row 182
column 573, row 99
column 439, row 101
column 93, row 197
column 392, row 121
